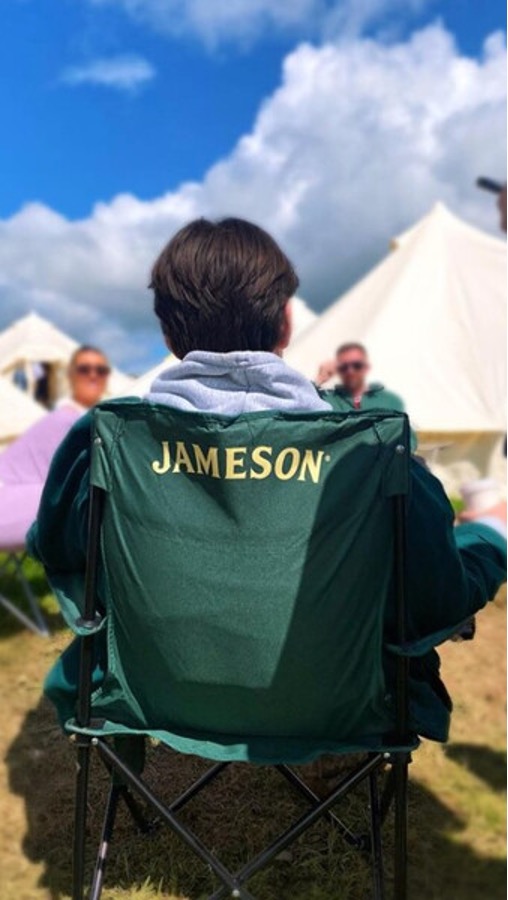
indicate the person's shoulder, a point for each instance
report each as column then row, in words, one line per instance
column 119, row 403
column 63, row 416
column 388, row 396
column 392, row 395
column 334, row 396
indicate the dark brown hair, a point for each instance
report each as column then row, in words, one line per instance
column 352, row 345
column 222, row 286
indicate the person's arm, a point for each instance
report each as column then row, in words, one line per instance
column 501, row 205
column 395, row 402
column 452, row 571
column 58, row 536
column 326, row 371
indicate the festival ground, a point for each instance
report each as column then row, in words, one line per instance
column 457, row 799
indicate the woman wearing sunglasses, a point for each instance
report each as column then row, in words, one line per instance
column 24, row 464
column 88, row 378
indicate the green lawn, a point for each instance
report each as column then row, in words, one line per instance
column 457, row 798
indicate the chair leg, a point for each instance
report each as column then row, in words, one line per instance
column 30, row 597
column 78, row 863
column 401, row 762
column 387, row 795
column 357, row 776
column 37, row 623
column 21, row 617
column 375, row 837
column 302, row 788
column 144, row 825
column 107, row 831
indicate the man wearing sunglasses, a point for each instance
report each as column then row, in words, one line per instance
column 354, row 392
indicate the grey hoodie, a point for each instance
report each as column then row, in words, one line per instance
column 229, row 384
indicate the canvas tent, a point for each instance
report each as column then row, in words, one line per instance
column 433, row 316
column 303, row 317
column 17, row 412
column 141, row 385
column 32, row 341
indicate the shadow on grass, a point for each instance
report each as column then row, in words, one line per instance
column 10, row 587
column 236, row 816
column 484, row 762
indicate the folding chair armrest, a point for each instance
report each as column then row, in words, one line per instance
column 69, row 592
column 424, row 645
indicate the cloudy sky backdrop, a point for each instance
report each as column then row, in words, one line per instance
column 332, row 123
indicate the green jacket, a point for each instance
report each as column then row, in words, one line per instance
column 375, row 397
column 452, row 573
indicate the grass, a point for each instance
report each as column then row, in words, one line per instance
column 457, row 797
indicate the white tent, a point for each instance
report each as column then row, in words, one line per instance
column 302, row 319
column 141, row 385
column 33, row 340
column 433, row 317
column 17, row 412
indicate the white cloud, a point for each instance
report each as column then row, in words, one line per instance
column 350, row 18
column 359, row 141
column 123, row 73
column 220, row 20
column 216, row 21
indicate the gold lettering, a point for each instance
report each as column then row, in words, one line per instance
column 312, row 464
column 208, row 463
column 233, row 462
column 294, row 454
column 160, row 468
column 259, row 458
column 290, row 462
column 182, row 458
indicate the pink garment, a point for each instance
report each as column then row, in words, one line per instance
column 23, row 470
column 18, row 508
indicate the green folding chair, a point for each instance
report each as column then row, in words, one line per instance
column 240, row 571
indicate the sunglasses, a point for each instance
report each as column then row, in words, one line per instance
column 355, row 366
column 87, row 369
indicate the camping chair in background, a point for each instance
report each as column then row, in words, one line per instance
column 18, row 508
column 24, row 466
column 240, row 570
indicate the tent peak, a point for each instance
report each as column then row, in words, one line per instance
column 32, row 314
column 30, row 319
column 439, row 219
column 441, row 211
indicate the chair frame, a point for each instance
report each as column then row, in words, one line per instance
column 233, row 883
column 35, row 622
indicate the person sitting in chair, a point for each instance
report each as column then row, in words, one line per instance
column 25, row 463
column 222, row 293
column 352, row 366
column 27, row 459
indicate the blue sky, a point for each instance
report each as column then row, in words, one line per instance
column 70, row 146
column 333, row 123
